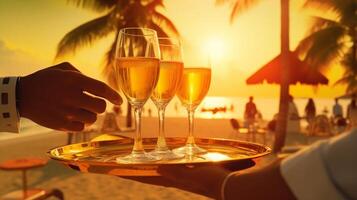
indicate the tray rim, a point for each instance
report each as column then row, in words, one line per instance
column 267, row 151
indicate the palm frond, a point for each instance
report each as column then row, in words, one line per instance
column 165, row 24
column 340, row 7
column 158, row 29
column 323, row 47
column 85, row 34
column 108, row 70
column 240, row 6
column 154, row 4
column 95, row 5
column 349, row 79
column 221, row 2
column 319, row 23
column 323, row 4
column 349, row 62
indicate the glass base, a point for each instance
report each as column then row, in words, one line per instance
column 189, row 149
column 166, row 154
column 137, row 157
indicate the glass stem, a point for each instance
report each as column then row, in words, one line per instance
column 138, row 141
column 190, row 138
column 161, row 142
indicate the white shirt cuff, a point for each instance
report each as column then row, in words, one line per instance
column 307, row 176
column 9, row 117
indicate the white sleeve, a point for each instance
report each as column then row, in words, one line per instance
column 9, row 117
column 327, row 170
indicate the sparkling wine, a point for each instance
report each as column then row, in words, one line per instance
column 137, row 77
column 194, row 86
column 169, row 79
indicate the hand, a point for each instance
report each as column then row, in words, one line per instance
column 208, row 180
column 204, row 180
column 62, row 98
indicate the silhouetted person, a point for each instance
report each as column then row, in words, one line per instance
column 231, row 108
column 250, row 111
column 149, row 112
column 176, row 107
column 337, row 110
column 310, row 111
column 352, row 113
column 293, row 117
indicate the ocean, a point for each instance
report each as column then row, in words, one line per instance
column 233, row 106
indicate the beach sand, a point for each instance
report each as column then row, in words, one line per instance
column 77, row 185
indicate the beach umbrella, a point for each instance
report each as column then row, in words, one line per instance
column 299, row 72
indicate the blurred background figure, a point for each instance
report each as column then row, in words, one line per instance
column 110, row 122
column 310, row 112
column 231, row 108
column 337, row 110
column 338, row 121
column 250, row 113
column 293, row 117
column 271, row 126
column 352, row 113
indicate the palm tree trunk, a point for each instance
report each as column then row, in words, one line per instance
column 284, row 85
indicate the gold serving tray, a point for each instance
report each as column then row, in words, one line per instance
column 99, row 156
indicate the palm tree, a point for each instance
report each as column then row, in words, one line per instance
column 237, row 7
column 332, row 41
column 118, row 14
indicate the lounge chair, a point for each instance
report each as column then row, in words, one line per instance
column 24, row 164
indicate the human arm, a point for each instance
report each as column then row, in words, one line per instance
column 9, row 117
column 262, row 183
column 62, row 98
column 208, row 181
column 326, row 170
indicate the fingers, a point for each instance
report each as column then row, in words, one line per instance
column 174, row 172
column 205, row 180
column 59, row 122
column 81, row 115
column 90, row 103
column 100, row 89
column 76, row 119
column 183, row 178
column 73, row 126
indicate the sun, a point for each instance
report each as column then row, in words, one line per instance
column 215, row 48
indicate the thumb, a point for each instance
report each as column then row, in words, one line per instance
column 182, row 177
column 173, row 171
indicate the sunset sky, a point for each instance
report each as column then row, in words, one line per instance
column 31, row 29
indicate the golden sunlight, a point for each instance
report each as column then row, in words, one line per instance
column 215, row 48
column 215, row 156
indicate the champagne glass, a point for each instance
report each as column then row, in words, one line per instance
column 193, row 88
column 171, row 68
column 137, row 64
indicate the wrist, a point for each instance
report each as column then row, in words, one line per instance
column 21, row 96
